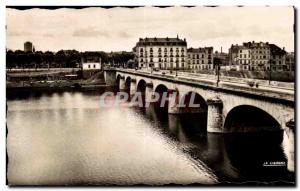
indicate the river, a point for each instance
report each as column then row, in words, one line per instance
column 67, row 138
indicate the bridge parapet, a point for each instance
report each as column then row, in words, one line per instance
column 268, row 92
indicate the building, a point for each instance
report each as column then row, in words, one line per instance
column 290, row 61
column 239, row 57
column 162, row 53
column 278, row 58
column 200, row 58
column 258, row 56
column 28, row 47
column 222, row 57
column 90, row 68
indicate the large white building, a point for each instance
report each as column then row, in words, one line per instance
column 162, row 53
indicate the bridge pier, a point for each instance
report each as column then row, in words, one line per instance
column 215, row 116
column 110, row 77
column 122, row 83
column 173, row 105
column 148, row 92
column 289, row 145
column 132, row 87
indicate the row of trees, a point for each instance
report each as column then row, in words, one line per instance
column 62, row 58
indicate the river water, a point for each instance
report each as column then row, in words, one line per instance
column 68, row 138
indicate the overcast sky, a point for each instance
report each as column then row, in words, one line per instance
column 119, row 29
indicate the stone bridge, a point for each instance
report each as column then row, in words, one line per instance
column 230, row 106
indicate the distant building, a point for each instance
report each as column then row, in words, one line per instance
column 222, row 57
column 163, row 53
column 257, row 56
column 290, row 61
column 28, row 47
column 90, row 68
column 200, row 58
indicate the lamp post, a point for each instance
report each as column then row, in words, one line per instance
column 217, row 65
column 176, row 68
column 270, row 72
column 218, row 73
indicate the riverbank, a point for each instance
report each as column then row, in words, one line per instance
column 51, row 80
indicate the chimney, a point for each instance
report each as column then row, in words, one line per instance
column 283, row 48
column 221, row 49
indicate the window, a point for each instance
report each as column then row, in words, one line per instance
column 159, row 50
column 171, row 49
column 141, row 50
column 151, row 50
column 197, row 56
column 94, row 65
column 165, row 49
column 89, row 66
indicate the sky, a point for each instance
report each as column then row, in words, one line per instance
column 118, row 29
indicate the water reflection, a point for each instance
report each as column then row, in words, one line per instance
column 76, row 142
column 232, row 157
column 67, row 138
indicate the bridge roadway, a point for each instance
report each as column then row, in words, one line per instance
column 230, row 103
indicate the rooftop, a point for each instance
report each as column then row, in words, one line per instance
column 200, row 49
column 161, row 41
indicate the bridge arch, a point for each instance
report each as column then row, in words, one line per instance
column 141, row 86
column 118, row 79
column 127, row 83
column 194, row 98
column 247, row 118
column 161, row 89
column 193, row 117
